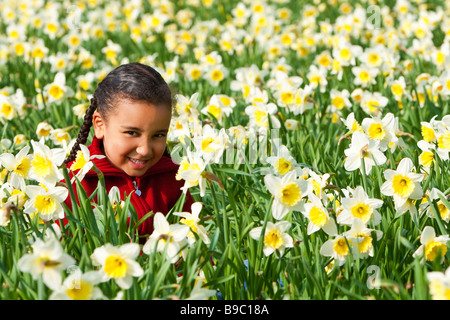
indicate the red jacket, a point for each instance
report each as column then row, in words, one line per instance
column 159, row 190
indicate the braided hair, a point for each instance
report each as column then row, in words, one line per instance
column 133, row 81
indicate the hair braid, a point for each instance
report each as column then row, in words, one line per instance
column 84, row 131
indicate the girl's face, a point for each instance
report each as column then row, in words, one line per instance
column 134, row 135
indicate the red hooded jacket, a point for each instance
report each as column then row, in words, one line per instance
column 157, row 190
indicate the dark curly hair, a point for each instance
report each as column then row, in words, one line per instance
column 133, row 81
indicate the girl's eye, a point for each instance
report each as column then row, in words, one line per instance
column 160, row 135
column 131, row 133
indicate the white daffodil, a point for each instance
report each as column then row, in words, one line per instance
column 426, row 157
column 282, row 162
column 337, row 248
column 318, row 217
column 352, row 124
column 117, row 205
column 359, row 205
column 200, row 293
column 247, row 77
column 361, row 147
column 215, row 74
column 58, row 90
column 219, row 106
column 381, row 130
column 301, row 101
column 346, row 53
column 373, row 103
column 340, row 99
column 291, row 124
column 83, row 162
column 257, row 94
column 398, row 89
column 262, row 115
column 444, row 211
column 5, row 214
column 443, row 143
column 192, row 220
column 52, row 230
column 114, row 198
column 317, row 77
column 79, row 286
column 318, row 183
column 43, row 130
column 18, row 166
column 402, row 184
column 428, row 130
column 7, row 109
column 169, row 237
column 364, row 75
column 187, row 105
column 45, row 201
column 49, row 260
column 432, row 247
column 118, row 263
column 439, row 284
column 45, row 163
column 284, row 91
column 288, row 192
column 275, row 237
column 191, row 170
column 212, row 143
column 360, row 238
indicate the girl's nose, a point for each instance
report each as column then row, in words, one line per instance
column 144, row 149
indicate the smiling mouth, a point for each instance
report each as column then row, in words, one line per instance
column 138, row 161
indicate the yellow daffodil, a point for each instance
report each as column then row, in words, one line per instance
column 191, row 170
column 439, row 284
column 288, row 192
column 5, row 214
column 373, row 103
column 338, row 248
column 192, row 219
column 83, row 162
column 340, row 99
column 57, row 91
column 432, row 248
column 352, row 124
column 381, row 129
column 187, row 105
column 426, row 157
column 79, row 286
column 219, row 107
column 361, row 147
column 18, row 166
column 167, row 237
column 118, row 263
column 282, row 162
column 275, row 238
column 47, row 259
column 359, row 205
column 402, row 184
column 45, row 201
column 318, row 217
column 360, row 238
column 262, row 115
column 45, row 163
column 216, row 74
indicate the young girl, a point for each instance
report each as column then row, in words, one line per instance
column 131, row 112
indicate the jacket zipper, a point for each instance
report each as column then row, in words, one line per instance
column 138, row 192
